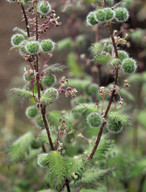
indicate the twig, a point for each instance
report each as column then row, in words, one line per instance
column 26, row 20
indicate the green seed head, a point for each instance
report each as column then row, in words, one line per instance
column 43, row 159
column 94, row 119
column 122, row 55
column 117, row 121
column 47, row 45
column 52, row 92
column 129, row 65
column 121, row 14
column 100, row 15
column 32, row 47
column 17, row 39
column 31, row 111
column 91, row 20
column 48, row 80
column 115, row 62
column 109, row 14
column 39, row 121
column 44, row 7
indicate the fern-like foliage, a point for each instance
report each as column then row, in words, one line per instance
column 55, row 68
column 21, row 93
column 139, row 168
column 20, row 147
column 92, row 176
column 104, row 146
column 57, row 170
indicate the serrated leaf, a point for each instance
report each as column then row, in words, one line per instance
column 20, row 147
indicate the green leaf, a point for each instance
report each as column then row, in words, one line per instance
column 57, row 170
column 22, row 93
column 20, row 147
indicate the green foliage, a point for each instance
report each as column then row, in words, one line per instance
column 65, row 44
column 114, row 62
column 75, row 69
column 103, row 148
column 139, row 168
column 20, row 147
column 47, row 190
column 54, row 68
column 141, row 117
column 27, row 1
column 22, row 93
column 122, row 55
column 57, row 170
column 102, row 59
column 54, row 118
column 117, row 121
column 80, row 100
column 83, row 109
column 92, row 175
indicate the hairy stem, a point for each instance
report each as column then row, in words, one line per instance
column 67, row 185
column 26, row 20
column 43, row 112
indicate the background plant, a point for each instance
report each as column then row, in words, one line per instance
column 81, row 109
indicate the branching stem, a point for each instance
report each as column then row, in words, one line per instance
column 26, row 20
column 111, row 98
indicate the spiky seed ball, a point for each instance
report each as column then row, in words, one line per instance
column 32, row 47
column 47, row 45
column 36, row 144
column 52, row 92
column 94, row 119
column 108, row 49
column 91, row 19
column 129, row 65
column 114, row 127
column 121, row 14
column 26, row 1
column 31, row 112
column 115, row 62
column 44, row 7
column 43, row 159
column 109, row 14
column 48, row 80
column 39, row 121
column 122, row 55
column 17, row 39
column 100, row 15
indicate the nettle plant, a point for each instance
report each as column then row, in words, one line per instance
column 72, row 146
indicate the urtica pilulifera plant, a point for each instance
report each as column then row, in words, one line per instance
column 96, row 113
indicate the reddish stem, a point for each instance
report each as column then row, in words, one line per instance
column 26, row 20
